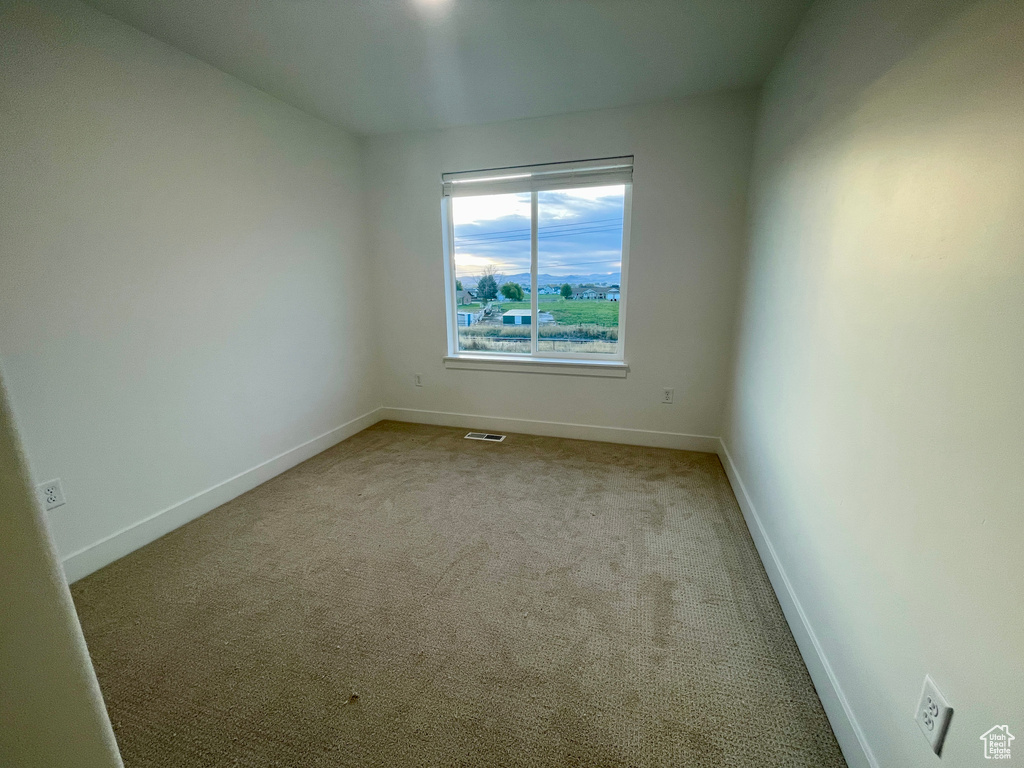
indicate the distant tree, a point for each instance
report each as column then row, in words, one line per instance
column 458, row 285
column 512, row 291
column 487, row 287
column 566, row 291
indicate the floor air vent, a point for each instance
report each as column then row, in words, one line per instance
column 485, row 436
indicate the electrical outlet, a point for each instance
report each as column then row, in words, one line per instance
column 417, row 379
column 933, row 715
column 667, row 395
column 51, row 494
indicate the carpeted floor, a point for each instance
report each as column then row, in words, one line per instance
column 412, row 598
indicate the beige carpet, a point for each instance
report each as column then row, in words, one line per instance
column 412, row 598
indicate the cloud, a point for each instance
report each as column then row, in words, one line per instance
column 579, row 232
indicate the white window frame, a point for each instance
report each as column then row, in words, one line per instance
column 534, row 179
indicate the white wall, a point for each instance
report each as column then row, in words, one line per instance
column 50, row 703
column 688, row 234
column 184, row 289
column 877, row 407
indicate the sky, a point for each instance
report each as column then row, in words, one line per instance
column 579, row 232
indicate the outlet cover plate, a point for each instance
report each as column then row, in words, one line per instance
column 51, row 494
column 933, row 715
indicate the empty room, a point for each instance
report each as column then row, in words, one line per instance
column 511, row 383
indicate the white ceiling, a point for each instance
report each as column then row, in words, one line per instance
column 381, row 66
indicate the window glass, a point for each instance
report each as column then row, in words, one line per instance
column 579, row 262
column 492, row 272
column 536, row 259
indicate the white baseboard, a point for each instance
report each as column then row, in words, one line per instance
column 117, row 545
column 645, row 437
column 849, row 734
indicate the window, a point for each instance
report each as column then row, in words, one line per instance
column 536, row 262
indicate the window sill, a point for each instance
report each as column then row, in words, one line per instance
column 608, row 368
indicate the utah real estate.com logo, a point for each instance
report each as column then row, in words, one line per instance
column 997, row 742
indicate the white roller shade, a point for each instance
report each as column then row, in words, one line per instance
column 585, row 173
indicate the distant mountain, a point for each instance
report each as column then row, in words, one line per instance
column 610, row 278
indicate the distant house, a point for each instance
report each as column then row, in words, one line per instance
column 464, row 297
column 612, row 295
column 588, row 292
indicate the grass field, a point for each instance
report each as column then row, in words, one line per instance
column 585, row 331
column 580, row 326
column 523, row 347
column 573, row 311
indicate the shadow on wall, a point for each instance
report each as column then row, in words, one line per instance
column 50, row 703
